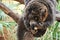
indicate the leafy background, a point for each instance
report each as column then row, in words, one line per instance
column 8, row 26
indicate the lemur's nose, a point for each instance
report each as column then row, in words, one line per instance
column 33, row 24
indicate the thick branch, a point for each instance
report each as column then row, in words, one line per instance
column 58, row 17
column 9, row 12
column 20, row 1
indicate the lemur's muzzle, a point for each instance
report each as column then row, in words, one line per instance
column 35, row 26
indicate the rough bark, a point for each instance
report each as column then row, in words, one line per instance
column 20, row 1
column 58, row 16
column 1, row 38
column 9, row 12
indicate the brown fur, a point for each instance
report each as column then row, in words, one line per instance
column 38, row 13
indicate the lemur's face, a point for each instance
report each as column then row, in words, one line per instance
column 36, row 14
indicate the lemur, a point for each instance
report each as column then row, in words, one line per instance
column 38, row 16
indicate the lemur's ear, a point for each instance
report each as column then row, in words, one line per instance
column 26, row 1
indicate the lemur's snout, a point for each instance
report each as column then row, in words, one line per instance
column 33, row 25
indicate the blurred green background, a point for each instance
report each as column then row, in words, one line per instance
column 8, row 27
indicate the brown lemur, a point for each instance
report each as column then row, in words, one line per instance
column 38, row 16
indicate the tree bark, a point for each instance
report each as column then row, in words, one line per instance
column 20, row 1
column 2, row 38
column 58, row 16
column 9, row 12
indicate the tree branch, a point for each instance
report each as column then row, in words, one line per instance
column 20, row 1
column 9, row 12
column 58, row 17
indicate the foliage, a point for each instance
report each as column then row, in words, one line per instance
column 58, row 6
column 7, row 25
